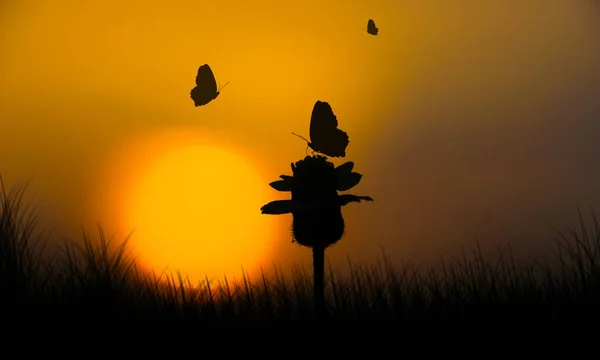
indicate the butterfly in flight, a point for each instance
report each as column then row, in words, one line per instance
column 371, row 28
column 206, row 86
column 325, row 136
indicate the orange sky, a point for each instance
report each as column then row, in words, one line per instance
column 465, row 117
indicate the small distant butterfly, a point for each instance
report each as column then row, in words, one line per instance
column 325, row 136
column 206, row 87
column 371, row 28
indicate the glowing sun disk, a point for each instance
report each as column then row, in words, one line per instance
column 195, row 210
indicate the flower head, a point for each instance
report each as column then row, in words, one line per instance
column 315, row 203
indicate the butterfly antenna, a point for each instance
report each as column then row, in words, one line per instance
column 221, row 88
column 300, row 136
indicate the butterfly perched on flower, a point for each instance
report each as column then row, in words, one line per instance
column 371, row 28
column 206, row 86
column 325, row 137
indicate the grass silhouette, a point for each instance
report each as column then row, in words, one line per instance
column 98, row 284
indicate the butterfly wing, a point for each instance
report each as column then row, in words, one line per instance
column 325, row 137
column 371, row 28
column 206, row 86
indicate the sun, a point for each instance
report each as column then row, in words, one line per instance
column 195, row 209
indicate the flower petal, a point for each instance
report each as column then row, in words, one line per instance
column 348, row 180
column 345, row 167
column 347, row 198
column 277, row 207
column 281, row 185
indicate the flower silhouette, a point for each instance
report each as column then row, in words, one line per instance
column 316, row 208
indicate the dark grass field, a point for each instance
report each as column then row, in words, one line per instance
column 97, row 288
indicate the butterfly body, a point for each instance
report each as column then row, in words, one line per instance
column 325, row 137
column 206, row 87
column 371, row 28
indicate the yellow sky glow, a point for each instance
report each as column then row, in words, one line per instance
column 455, row 107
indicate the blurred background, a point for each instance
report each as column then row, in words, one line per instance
column 467, row 118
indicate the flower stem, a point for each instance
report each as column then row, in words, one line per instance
column 319, row 281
